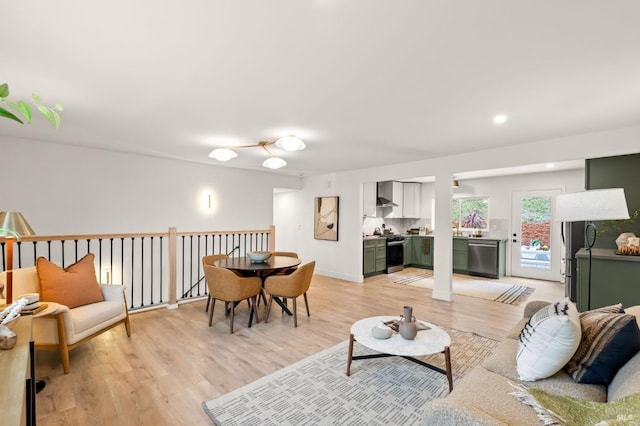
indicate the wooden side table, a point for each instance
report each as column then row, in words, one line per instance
column 18, row 401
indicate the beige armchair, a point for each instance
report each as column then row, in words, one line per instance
column 59, row 328
column 290, row 286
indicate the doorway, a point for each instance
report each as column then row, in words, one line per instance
column 535, row 242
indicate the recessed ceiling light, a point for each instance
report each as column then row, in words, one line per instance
column 500, row 119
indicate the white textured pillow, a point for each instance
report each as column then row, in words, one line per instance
column 548, row 341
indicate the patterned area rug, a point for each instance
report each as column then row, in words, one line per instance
column 316, row 390
column 483, row 289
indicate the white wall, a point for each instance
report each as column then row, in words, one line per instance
column 344, row 258
column 68, row 190
column 63, row 189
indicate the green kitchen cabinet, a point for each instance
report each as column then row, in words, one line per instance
column 374, row 258
column 408, row 251
column 614, row 279
column 460, row 256
column 419, row 252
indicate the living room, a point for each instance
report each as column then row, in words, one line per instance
column 67, row 184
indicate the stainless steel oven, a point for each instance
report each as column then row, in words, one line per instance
column 395, row 253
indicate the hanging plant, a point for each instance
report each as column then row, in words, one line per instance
column 23, row 109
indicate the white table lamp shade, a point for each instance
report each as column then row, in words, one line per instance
column 595, row 204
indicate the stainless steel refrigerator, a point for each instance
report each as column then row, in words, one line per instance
column 573, row 241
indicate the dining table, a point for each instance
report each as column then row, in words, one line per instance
column 246, row 267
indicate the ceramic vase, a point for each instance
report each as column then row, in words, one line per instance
column 408, row 328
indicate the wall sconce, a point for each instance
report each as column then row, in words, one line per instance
column 287, row 143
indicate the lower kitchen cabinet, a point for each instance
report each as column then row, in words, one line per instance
column 374, row 258
column 460, row 256
column 419, row 252
column 614, row 279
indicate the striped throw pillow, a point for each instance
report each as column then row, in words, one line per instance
column 608, row 341
column 548, row 340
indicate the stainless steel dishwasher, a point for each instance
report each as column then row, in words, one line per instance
column 483, row 258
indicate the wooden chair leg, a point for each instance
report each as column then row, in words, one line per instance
column 213, row 305
column 233, row 313
column 266, row 320
column 62, row 343
column 206, row 309
column 127, row 324
column 255, row 300
column 295, row 312
column 263, row 296
column 306, row 303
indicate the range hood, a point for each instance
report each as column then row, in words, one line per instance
column 383, row 202
column 385, row 194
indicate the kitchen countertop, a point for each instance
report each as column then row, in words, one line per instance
column 480, row 238
column 374, row 237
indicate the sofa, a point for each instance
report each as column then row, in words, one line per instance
column 62, row 328
column 485, row 395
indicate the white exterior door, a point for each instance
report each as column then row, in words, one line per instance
column 535, row 237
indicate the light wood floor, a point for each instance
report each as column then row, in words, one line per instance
column 174, row 361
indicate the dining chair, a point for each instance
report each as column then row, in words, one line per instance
column 210, row 260
column 285, row 253
column 290, row 286
column 228, row 287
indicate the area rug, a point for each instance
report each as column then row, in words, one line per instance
column 484, row 289
column 316, row 390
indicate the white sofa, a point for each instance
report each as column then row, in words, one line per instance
column 484, row 395
column 59, row 328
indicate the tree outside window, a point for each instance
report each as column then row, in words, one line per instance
column 470, row 213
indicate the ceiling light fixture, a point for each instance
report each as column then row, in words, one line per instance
column 500, row 119
column 287, row 143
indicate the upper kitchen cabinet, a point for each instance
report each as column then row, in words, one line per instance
column 369, row 198
column 390, row 199
column 412, row 200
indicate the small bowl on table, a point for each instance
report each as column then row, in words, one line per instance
column 258, row 256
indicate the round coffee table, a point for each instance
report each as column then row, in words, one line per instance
column 427, row 342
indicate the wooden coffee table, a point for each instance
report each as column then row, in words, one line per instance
column 427, row 342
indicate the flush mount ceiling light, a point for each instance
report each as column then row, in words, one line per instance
column 500, row 119
column 287, row 143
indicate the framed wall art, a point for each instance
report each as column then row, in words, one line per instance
column 325, row 218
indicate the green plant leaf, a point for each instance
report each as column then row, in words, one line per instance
column 25, row 109
column 36, row 98
column 4, row 90
column 56, row 117
column 59, row 107
column 7, row 114
column 47, row 113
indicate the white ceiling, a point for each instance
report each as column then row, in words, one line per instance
column 362, row 82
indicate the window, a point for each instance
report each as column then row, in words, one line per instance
column 470, row 213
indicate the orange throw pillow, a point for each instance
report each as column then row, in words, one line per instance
column 73, row 286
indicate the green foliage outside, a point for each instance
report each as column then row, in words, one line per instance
column 536, row 209
column 470, row 213
column 22, row 110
